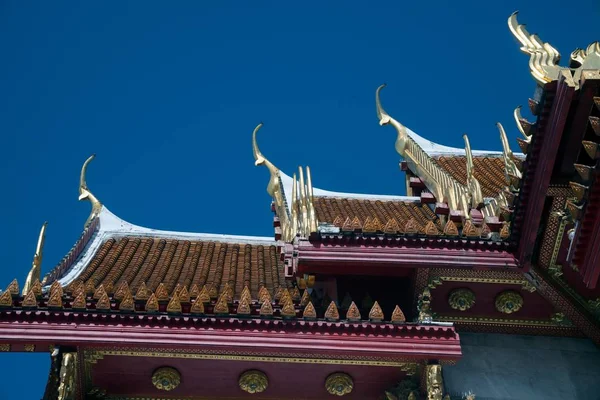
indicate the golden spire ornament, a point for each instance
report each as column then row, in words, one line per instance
column 86, row 194
column 36, row 268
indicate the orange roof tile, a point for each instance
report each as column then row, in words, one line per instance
column 172, row 262
column 337, row 211
column 489, row 171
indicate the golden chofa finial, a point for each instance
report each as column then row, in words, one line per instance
column 511, row 170
column 85, row 194
column 36, row 267
column 472, row 183
column 273, row 185
column 544, row 58
column 523, row 125
column 384, row 119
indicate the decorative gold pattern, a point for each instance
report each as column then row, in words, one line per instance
column 579, row 190
column 450, row 229
column 376, row 313
column 424, row 306
column 13, row 288
column 174, row 305
column 55, row 300
column 288, row 310
column 339, row 384
column 461, row 299
column 198, row 306
column 29, row 347
column 222, row 307
column 309, row 311
column 79, row 303
column 142, row 293
column 243, row 307
column 121, row 290
column 36, row 268
column 266, row 309
column 161, row 293
column 435, row 383
column 353, row 314
column 103, row 303
column 86, row 194
column 127, row 303
column 509, row 302
column 4, row 347
column 68, row 370
column 166, row 378
column 29, row 301
column 592, row 149
column 204, row 296
column 245, row 295
column 184, row 295
column 398, row 315
column 98, row 293
column 253, row 381
column 305, row 298
column 332, row 313
column 152, row 303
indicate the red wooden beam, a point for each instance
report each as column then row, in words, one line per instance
column 543, row 171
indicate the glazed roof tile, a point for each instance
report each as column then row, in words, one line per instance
column 489, row 171
column 337, row 211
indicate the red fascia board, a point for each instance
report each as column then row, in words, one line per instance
column 310, row 255
column 386, row 342
column 543, row 171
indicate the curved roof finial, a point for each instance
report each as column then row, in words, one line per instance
column 36, row 267
column 385, row 118
column 261, row 160
column 86, row 194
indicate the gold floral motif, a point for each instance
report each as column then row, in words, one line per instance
column 204, row 296
column 266, row 309
column 288, row 310
column 29, row 301
column 29, row 347
column 285, row 297
column 55, row 300
column 13, row 288
column 353, row 313
column 461, row 299
column 391, row 227
column 103, row 303
column 198, row 306
column 243, row 307
column 98, row 293
column 127, row 303
column 332, row 313
column 305, row 298
column 166, row 378
column 339, row 384
column 245, row 295
column 121, row 290
column 4, row 347
column 152, row 304
column 184, row 295
column 509, row 302
column 398, row 315
column 264, row 295
column 253, row 381
column 222, row 307
column 309, row 311
column 79, row 303
column 174, row 305
column 161, row 293
column 376, row 313
column 6, row 299
column 194, row 291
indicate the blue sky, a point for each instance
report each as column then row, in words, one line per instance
column 167, row 94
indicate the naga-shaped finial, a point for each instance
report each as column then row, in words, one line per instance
column 36, row 267
column 384, row 119
column 472, row 182
column 511, row 169
column 273, row 185
column 85, row 194
column 544, row 58
column 520, row 121
column 312, row 215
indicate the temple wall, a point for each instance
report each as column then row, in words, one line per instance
column 511, row 367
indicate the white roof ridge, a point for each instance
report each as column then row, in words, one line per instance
column 111, row 226
column 435, row 149
column 287, row 182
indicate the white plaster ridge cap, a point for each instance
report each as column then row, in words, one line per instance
column 113, row 226
column 287, row 183
column 435, row 149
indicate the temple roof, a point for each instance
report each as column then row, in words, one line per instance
column 489, row 171
column 118, row 251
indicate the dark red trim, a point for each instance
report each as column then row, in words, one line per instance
column 540, row 164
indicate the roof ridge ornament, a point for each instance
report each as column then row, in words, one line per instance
column 440, row 183
column 273, row 187
column 86, row 194
column 512, row 172
column 544, row 59
column 472, row 182
column 36, row 268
